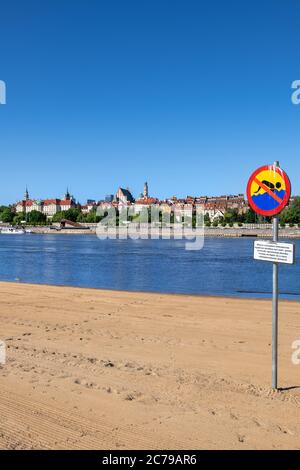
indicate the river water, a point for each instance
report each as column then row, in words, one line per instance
column 225, row 266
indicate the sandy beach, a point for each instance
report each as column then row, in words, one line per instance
column 95, row 369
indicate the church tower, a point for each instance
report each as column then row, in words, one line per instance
column 146, row 192
column 67, row 195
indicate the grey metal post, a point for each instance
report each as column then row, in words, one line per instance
column 275, row 309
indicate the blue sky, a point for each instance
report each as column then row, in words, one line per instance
column 188, row 95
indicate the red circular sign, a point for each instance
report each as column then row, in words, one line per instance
column 268, row 190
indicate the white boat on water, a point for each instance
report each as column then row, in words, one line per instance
column 12, row 231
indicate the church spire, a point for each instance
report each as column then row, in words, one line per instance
column 67, row 195
column 26, row 194
column 146, row 192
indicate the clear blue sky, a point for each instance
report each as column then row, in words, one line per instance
column 188, row 95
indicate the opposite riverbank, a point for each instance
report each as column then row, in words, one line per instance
column 263, row 231
column 100, row 369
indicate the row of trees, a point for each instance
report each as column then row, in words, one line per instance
column 75, row 215
column 232, row 216
column 290, row 216
column 8, row 216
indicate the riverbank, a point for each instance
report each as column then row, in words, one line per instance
column 263, row 231
column 100, row 369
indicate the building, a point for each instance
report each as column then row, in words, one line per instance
column 146, row 190
column 67, row 204
column 84, row 209
column 124, row 196
column 49, row 207
column 216, row 206
column 142, row 203
column 29, row 205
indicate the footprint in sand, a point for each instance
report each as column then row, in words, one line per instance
column 285, row 430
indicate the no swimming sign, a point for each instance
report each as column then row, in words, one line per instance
column 268, row 190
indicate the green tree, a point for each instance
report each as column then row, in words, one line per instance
column 91, row 217
column 36, row 218
column 6, row 214
column 59, row 216
column 19, row 218
column 72, row 214
column 283, row 218
column 250, row 217
column 82, row 217
column 231, row 215
column 291, row 215
column 296, row 202
column 206, row 217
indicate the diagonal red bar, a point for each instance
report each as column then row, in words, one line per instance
column 268, row 190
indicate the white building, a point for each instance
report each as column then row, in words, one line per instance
column 49, row 207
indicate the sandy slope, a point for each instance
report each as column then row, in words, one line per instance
column 101, row 369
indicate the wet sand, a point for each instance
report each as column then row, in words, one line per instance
column 96, row 369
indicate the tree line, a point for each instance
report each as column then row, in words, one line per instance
column 289, row 216
column 9, row 216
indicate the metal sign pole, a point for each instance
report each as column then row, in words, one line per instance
column 275, row 312
column 268, row 184
column 275, row 309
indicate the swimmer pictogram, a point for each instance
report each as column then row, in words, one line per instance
column 268, row 190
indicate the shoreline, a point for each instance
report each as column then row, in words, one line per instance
column 154, row 293
column 101, row 369
column 227, row 232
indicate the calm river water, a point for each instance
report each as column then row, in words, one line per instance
column 222, row 267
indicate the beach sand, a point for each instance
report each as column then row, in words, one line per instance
column 96, row 369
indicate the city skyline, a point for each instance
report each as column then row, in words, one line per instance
column 214, row 207
column 27, row 194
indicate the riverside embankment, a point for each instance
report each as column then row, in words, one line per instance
column 253, row 230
